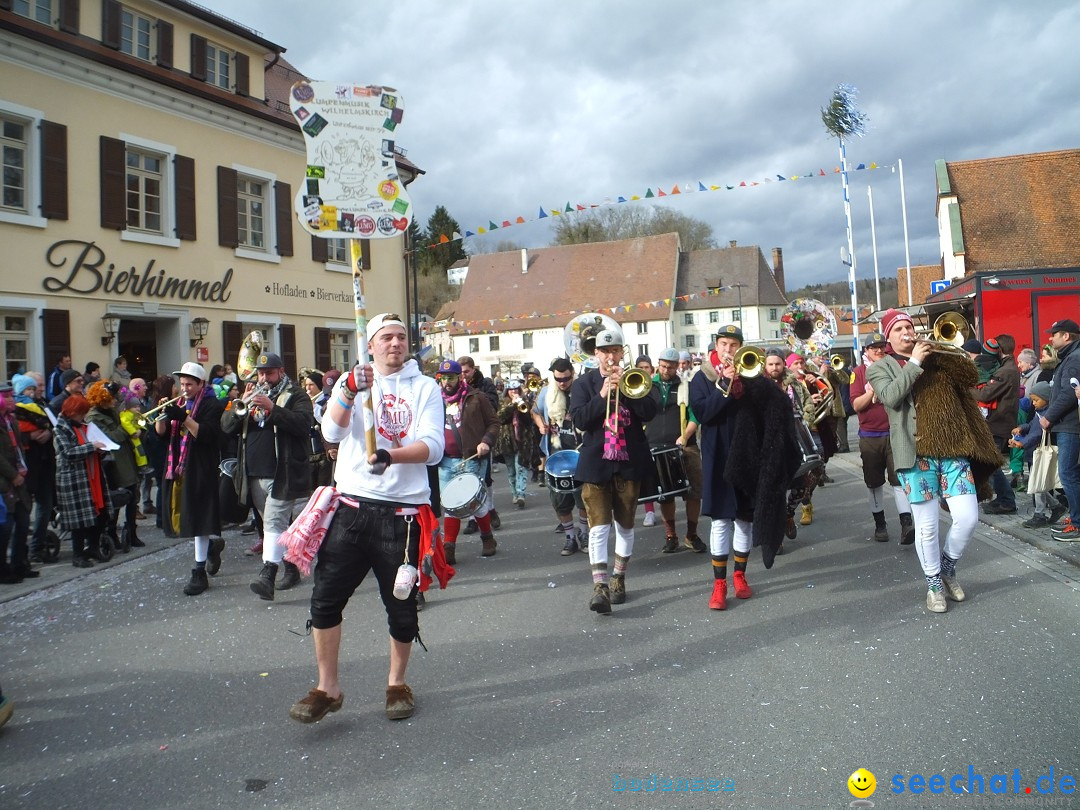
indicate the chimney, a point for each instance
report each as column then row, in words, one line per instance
column 524, row 261
column 731, row 244
column 778, row 268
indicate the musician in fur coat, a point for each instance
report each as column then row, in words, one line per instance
column 749, row 454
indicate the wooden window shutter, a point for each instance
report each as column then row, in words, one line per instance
column 198, row 58
column 113, row 208
column 365, row 254
column 319, row 252
column 243, row 71
column 228, row 226
column 110, row 24
column 287, row 339
column 322, row 348
column 232, row 338
column 69, row 16
column 54, row 171
column 184, row 172
column 283, row 216
column 164, row 44
column 55, row 334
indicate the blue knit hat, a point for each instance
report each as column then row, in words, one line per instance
column 20, row 382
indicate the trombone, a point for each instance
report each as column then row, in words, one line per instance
column 749, row 362
column 143, row 420
column 633, row 384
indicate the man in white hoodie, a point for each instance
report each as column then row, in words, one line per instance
column 375, row 527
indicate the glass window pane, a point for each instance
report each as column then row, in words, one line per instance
column 14, row 130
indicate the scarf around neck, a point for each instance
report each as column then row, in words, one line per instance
column 175, row 465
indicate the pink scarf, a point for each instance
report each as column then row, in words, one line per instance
column 457, row 396
column 175, row 468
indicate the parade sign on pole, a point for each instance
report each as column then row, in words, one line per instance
column 351, row 188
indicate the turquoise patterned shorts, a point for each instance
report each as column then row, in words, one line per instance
column 932, row 478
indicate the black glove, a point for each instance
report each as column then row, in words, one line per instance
column 382, row 461
column 176, row 412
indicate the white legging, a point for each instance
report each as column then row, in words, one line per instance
column 721, row 532
column 964, row 510
column 877, row 499
column 598, row 542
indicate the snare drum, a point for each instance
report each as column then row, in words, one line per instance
column 559, row 471
column 670, row 478
column 463, row 495
column 811, row 458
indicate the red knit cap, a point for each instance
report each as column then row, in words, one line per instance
column 893, row 317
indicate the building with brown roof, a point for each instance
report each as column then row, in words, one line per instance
column 514, row 306
column 1009, row 213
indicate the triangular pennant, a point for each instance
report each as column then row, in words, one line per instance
column 660, row 193
column 443, row 238
column 780, row 177
column 492, row 226
column 729, row 188
column 580, row 207
column 821, row 172
column 468, row 234
column 456, row 235
column 649, row 194
column 675, row 189
column 714, row 188
column 569, row 209
column 622, row 199
column 635, row 197
column 701, row 186
column 481, row 230
column 873, row 165
column 543, row 214
column 860, row 167
column 520, row 220
column 742, row 184
column 506, row 223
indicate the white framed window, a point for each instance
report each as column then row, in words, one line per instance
column 148, row 192
column 15, row 149
column 38, row 10
column 15, row 342
column 526, row 340
column 773, row 314
column 493, row 343
column 689, row 341
column 20, row 154
column 266, row 330
column 337, row 251
column 736, row 315
column 136, row 35
column 642, row 328
column 643, row 349
column 144, row 189
column 255, row 229
column 688, row 319
column 340, row 343
column 714, row 316
column 474, row 345
column 218, row 64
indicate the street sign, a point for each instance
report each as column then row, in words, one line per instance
column 939, row 285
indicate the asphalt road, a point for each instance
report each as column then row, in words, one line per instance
column 129, row 694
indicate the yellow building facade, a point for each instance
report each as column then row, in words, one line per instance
column 149, row 168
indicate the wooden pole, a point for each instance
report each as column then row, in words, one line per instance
column 367, row 410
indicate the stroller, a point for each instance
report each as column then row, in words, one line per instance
column 107, row 544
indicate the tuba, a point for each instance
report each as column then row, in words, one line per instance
column 808, row 326
column 579, row 336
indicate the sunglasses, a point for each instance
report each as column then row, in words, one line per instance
column 563, row 379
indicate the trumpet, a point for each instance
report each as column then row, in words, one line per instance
column 524, row 406
column 533, row 385
column 241, row 406
column 748, row 361
column 144, row 420
column 837, row 362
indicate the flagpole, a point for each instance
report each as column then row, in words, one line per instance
column 367, row 409
column 851, row 251
column 873, row 241
column 907, row 252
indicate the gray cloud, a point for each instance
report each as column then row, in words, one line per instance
column 514, row 106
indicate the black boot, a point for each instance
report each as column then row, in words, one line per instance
column 290, row 577
column 263, row 587
column 123, row 540
column 213, row 558
column 881, row 532
column 907, row 529
column 133, row 538
column 198, row 582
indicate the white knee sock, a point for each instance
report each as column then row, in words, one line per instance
column 598, row 543
column 272, row 550
column 743, row 535
column 877, row 499
column 925, row 516
column 624, row 541
column 202, row 549
column 720, row 536
column 964, row 510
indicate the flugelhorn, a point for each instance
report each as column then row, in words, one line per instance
column 144, row 419
column 241, row 406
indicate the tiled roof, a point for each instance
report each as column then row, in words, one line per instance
column 1019, row 211
column 560, row 280
column 728, row 266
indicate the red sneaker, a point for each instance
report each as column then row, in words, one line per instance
column 742, row 590
column 719, row 595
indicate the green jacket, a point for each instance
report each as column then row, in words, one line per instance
column 892, row 386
